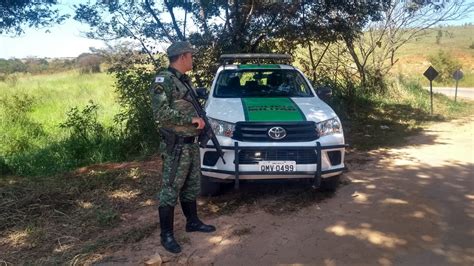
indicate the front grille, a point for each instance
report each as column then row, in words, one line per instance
column 258, row 131
column 253, row 156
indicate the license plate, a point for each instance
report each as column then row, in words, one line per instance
column 277, row 166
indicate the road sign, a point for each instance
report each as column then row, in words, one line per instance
column 457, row 75
column 431, row 73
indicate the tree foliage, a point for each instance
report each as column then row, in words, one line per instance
column 445, row 63
column 219, row 26
column 17, row 14
column 214, row 27
column 11, row 66
column 89, row 63
column 134, row 75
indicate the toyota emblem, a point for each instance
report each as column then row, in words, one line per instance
column 277, row 133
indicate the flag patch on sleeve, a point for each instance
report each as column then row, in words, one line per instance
column 159, row 79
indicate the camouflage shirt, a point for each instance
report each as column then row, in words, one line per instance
column 170, row 110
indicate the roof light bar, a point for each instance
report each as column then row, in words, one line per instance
column 230, row 58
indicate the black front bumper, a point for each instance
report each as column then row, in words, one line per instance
column 317, row 174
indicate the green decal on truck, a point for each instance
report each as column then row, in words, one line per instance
column 271, row 109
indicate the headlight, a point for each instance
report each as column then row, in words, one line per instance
column 222, row 128
column 328, row 127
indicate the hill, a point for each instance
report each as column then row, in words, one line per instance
column 456, row 40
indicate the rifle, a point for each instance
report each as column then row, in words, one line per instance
column 207, row 133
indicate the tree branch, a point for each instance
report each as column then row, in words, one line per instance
column 173, row 20
column 142, row 43
column 158, row 21
column 248, row 17
column 257, row 42
column 202, row 16
column 321, row 57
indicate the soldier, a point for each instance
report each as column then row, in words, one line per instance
column 179, row 127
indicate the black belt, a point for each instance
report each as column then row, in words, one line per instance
column 187, row 140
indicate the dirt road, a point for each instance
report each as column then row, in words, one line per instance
column 407, row 206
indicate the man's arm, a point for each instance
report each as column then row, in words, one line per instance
column 163, row 114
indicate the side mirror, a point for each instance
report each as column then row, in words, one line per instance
column 202, row 93
column 324, row 93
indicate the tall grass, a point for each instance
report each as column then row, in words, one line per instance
column 55, row 94
column 32, row 110
column 417, row 75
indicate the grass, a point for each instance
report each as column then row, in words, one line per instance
column 54, row 94
column 466, row 82
column 32, row 110
column 456, row 40
column 53, row 220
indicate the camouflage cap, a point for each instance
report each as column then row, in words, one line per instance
column 178, row 48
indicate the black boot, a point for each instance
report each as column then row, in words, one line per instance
column 193, row 224
column 166, row 225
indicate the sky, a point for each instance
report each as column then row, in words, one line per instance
column 67, row 40
column 61, row 41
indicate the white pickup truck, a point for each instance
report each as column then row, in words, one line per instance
column 271, row 124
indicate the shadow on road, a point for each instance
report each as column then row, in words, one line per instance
column 388, row 214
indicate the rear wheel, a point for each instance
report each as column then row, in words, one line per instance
column 209, row 187
column 330, row 183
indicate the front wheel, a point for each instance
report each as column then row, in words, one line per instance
column 208, row 187
column 330, row 183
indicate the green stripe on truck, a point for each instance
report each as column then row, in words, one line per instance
column 271, row 109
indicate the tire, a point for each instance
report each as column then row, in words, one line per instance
column 330, row 184
column 210, row 188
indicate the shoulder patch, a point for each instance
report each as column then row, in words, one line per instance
column 160, row 79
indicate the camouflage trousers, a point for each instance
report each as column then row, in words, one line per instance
column 184, row 181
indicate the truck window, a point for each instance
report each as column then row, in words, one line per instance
column 239, row 83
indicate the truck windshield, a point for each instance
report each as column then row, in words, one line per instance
column 240, row 83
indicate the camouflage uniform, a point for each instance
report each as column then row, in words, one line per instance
column 175, row 114
column 181, row 167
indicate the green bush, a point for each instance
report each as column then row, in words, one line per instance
column 88, row 140
column 83, row 124
column 19, row 131
column 27, row 152
column 84, row 130
column 4, row 168
column 134, row 73
column 445, row 63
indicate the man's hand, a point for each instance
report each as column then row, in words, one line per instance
column 199, row 122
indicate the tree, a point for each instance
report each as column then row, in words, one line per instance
column 446, row 64
column 325, row 22
column 374, row 52
column 16, row 14
column 36, row 65
column 214, row 27
column 222, row 26
column 89, row 63
column 11, row 66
